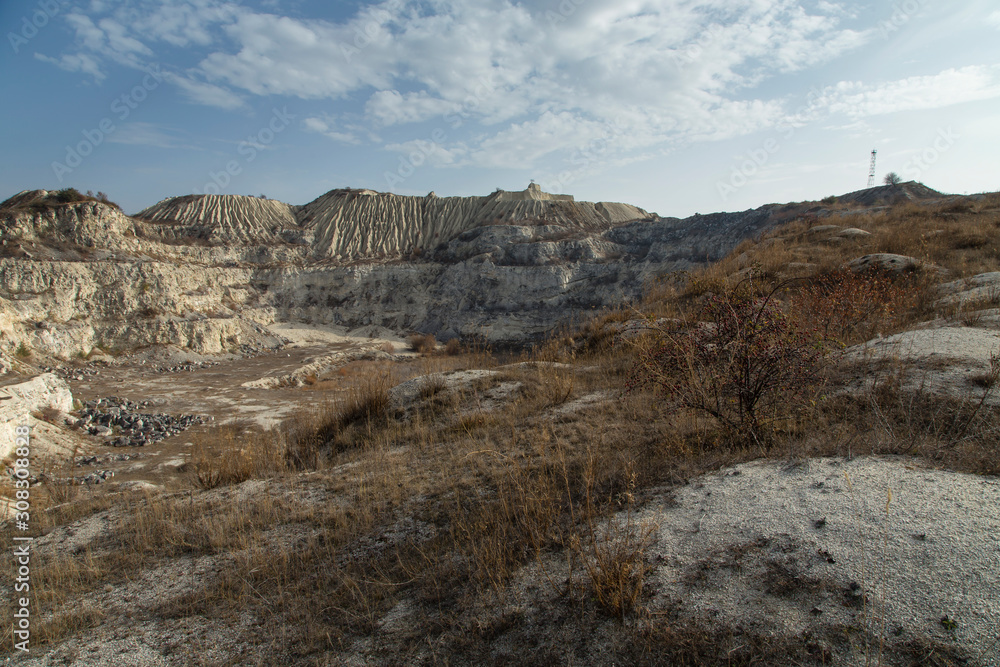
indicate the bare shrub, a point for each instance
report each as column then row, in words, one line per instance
column 453, row 347
column 50, row 414
column 61, row 491
column 388, row 347
column 847, row 307
column 742, row 361
column 423, row 343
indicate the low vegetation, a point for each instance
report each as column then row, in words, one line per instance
column 57, row 198
column 324, row 530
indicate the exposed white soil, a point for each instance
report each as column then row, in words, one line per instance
column 945, row 359
column 853, row 553
column 979, row 289
column 922, row 544
column 302, row 334
column 471, row 391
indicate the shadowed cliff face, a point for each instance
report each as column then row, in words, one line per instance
column 208, row 272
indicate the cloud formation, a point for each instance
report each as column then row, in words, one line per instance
column 952, row 86
column 515, row 84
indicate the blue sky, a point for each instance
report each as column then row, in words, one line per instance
column 677, row 106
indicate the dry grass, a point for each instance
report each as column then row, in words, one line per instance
column 364, row 513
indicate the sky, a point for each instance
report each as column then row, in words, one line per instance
column 676, row 106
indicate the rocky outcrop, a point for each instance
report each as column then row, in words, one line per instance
column 30, row 220
column 209, row 273
column 19, row 399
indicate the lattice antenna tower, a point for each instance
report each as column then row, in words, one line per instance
column 871, row 170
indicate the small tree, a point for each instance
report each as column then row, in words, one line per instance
column 892, row 178
column 743, row 362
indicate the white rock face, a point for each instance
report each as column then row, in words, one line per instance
column 209, row 272
column 19, row 400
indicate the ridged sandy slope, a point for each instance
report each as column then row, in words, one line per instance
column 224, row 218
column 357, row 224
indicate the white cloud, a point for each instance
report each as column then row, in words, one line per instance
column 994, row 18
column 536, row 79
column 419, row 151
column 180, row 23
column 208, row 94
column 947, row 88
column 75, row 62
column 325, row 127
column 88, row 34
column 389, row 107
column 148, row 134
column 523, row 143
column 120, row 41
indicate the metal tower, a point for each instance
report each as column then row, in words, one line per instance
column 871, row 170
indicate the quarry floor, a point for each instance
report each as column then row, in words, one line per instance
column 215, row 388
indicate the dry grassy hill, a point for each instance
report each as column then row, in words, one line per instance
column 787, row 457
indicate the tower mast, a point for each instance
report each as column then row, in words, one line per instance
column 871, row 170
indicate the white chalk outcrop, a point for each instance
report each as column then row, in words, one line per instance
column 209, row 273
column 19, row 399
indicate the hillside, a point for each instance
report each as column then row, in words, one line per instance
column 202, row 271
column 618, row 494
column 348, row 224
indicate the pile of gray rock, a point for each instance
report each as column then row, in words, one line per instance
column 185, row 366
column 249, row 350
column 121, row 421
column 96, row 477
column 70, row 372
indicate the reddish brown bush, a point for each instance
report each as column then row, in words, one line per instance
column 846, row 307
column 424, row 344
column 742, row 361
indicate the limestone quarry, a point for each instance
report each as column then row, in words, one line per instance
column 207, row 272
column 385, row 429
